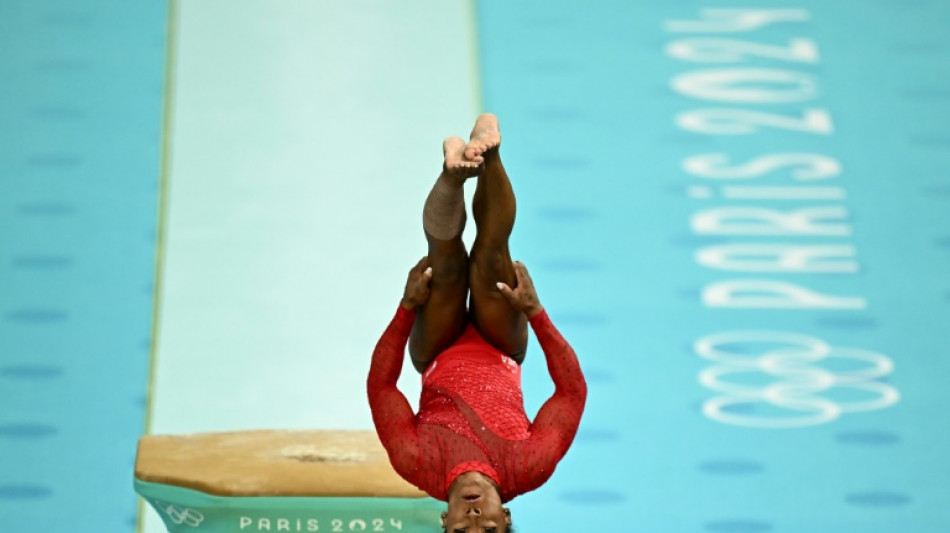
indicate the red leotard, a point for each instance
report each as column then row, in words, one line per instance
column 471, row 414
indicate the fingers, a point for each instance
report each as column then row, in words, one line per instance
column 521, row 273
column 426, row 263
column 505, row 290
column 423, row 270
column 523, row 298
column 423, row 267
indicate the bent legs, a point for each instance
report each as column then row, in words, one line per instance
column 455, row 276
column 441, row 320
column 494, row 209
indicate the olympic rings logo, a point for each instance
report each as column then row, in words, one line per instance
column 181, row 515
column 793, row 362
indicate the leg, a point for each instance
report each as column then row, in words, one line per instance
column 494, row 210
column 441, row 320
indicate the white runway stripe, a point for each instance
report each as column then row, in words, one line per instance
column 305, row 137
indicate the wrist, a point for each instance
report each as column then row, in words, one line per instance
column 533, row 311
column 407, row 305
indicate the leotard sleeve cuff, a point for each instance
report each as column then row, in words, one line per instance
column 540, row 319
column 404, row 318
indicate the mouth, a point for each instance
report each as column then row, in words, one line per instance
column 471, row 497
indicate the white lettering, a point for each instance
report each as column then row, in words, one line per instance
column 246, row 521
column 283, row 524
column 735, row 20
column 765, row 294
column 313, row 525
column 263, row 524
column 762, row 221
column 778, row 258
column 722, row 85
column 801, row 166
column 704, row 50
column 731, row 121
column 783, row 193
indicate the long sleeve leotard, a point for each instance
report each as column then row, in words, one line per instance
column 471, row 414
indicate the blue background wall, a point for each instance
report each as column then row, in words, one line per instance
column 596, row 137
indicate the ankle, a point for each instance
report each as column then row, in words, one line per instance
column 451, row 179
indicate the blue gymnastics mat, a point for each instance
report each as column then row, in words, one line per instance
column 739, row 214
column 82, row 101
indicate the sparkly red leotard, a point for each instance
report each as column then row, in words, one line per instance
column 471, row 413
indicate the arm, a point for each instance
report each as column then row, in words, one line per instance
column 395, row 422
column 556, row 423
column 559, row 417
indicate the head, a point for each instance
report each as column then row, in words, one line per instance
column 475, row 506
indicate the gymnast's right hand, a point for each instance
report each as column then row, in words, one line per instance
column 417, row 286
column 523, row 297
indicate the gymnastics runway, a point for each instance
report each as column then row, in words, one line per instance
column 738, row 213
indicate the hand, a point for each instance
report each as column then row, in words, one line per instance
column 523, row 297
column 417, row 286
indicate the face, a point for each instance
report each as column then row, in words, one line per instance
column 475, row 506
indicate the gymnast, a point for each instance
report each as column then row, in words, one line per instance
column 465, row 319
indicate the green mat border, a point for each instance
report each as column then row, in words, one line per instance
column 220, row 513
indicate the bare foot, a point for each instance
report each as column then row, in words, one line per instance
column 485, row 136
column 456, row 164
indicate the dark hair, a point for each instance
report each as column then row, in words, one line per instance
column 511, row 529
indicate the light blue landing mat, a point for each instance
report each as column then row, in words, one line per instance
column 741, row 219
column 81, row 108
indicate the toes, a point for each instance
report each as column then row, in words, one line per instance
column 474, row 152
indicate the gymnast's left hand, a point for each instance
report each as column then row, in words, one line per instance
column 417, row 286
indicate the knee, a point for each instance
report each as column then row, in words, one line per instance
column 492, row 264
column 450, row 270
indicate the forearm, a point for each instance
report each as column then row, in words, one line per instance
column 388, row 356
column 557, row 421
column 562, row 362
column 392, row 414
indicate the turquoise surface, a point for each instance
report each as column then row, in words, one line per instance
column 688, row 428
column 81, row 107
column 737, row 383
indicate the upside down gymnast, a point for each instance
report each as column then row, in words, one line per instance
column 466, row 321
